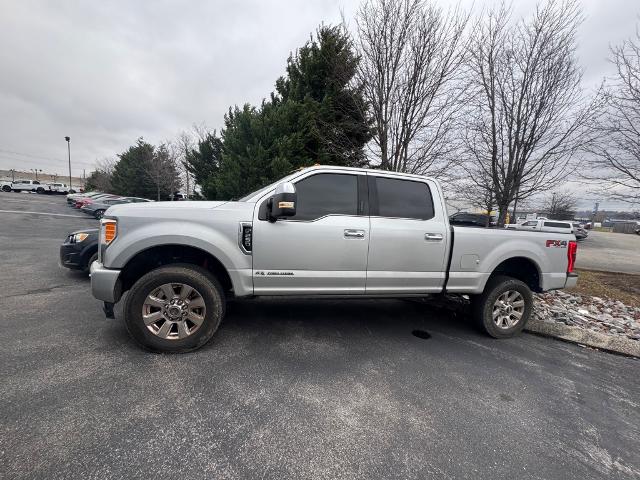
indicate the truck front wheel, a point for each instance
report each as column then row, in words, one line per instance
column 176, row 308
column 504, row 307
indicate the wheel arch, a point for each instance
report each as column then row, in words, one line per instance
column 522, row 268
column 159, row 255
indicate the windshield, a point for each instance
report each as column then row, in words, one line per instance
column 263, row 190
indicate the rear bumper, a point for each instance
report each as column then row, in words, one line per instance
column 572, row 280
column 556, row 281
column 105, row 283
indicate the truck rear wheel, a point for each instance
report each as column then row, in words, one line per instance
column 176, row 308
column 504, row 307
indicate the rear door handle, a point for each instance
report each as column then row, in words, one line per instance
column 433, row 237
column 353, row 233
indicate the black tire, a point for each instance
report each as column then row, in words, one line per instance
column 6, row 188
column 92, row 259
column 98, row 214
column 40, row 190
column 483, row 306
column 198, row 278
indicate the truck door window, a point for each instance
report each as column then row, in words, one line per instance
column 557, row 225
column 402, row 198
column 326, row 194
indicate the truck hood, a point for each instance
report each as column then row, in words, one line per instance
column 135, row 208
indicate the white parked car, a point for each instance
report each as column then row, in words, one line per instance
column 28, row 186
column 59, row 188
column 543, row 225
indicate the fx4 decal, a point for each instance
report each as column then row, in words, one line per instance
column 557, row 243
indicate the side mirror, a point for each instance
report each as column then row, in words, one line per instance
column 283, row 202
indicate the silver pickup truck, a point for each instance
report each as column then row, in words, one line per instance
column 322, row 231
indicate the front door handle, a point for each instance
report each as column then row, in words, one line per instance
column 433, row 237
column 353, row 233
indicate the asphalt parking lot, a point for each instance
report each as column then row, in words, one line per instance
column 610, row 252
column 289, row 388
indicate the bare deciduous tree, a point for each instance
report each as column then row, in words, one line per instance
column 559, row 205
column 162, row 170
column 410, row 51
column 615, row 150
column 526, row 111
column 180, row 149
column 100, row 178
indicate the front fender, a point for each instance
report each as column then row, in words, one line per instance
column 221, row 242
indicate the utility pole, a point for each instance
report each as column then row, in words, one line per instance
column 158, row 182
column 68, row 139
column 13, row 175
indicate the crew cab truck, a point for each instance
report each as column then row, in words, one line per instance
column 322, row 231
column 27, row 186
column 544, row 225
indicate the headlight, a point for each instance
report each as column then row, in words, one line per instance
column 78, row 237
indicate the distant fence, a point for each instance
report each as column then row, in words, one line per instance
column 624, row 227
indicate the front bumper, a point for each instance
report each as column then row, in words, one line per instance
column 105, row 283
column 71, row 256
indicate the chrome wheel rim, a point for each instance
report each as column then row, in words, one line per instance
column 508, row 309
column 173, row 311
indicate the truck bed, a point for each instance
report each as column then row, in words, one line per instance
column 477, row 252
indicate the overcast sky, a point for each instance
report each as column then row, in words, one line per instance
column 106, row 73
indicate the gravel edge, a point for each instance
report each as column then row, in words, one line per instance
column 610, row 343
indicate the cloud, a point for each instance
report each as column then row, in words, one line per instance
column 106, row 73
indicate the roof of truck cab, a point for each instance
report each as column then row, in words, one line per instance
column 363, row 170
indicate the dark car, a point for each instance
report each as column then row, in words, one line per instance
column 80, row 249
column 466, row 219
column 579, row 231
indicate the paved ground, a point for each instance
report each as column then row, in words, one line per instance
column 290, row 389
column 611, row 252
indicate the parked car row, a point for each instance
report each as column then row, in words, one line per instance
column 540, row 224
column 35, row 186
column 80, row 249
column 543, row 224
column 96, row 203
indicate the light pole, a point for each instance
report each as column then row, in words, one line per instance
column 68, row 139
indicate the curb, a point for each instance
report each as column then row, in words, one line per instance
column 609, row 343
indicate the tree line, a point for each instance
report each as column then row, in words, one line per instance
column 492, row 105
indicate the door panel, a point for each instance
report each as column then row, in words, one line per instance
column 401, row 260
column 314, row 257
column 406, row 255
column 323, row 249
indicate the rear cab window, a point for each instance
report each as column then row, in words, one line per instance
column 558, row 225
column 400, row 198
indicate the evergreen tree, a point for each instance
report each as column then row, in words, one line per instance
column 144, row 171
column 316, row 115
column 204, row 163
